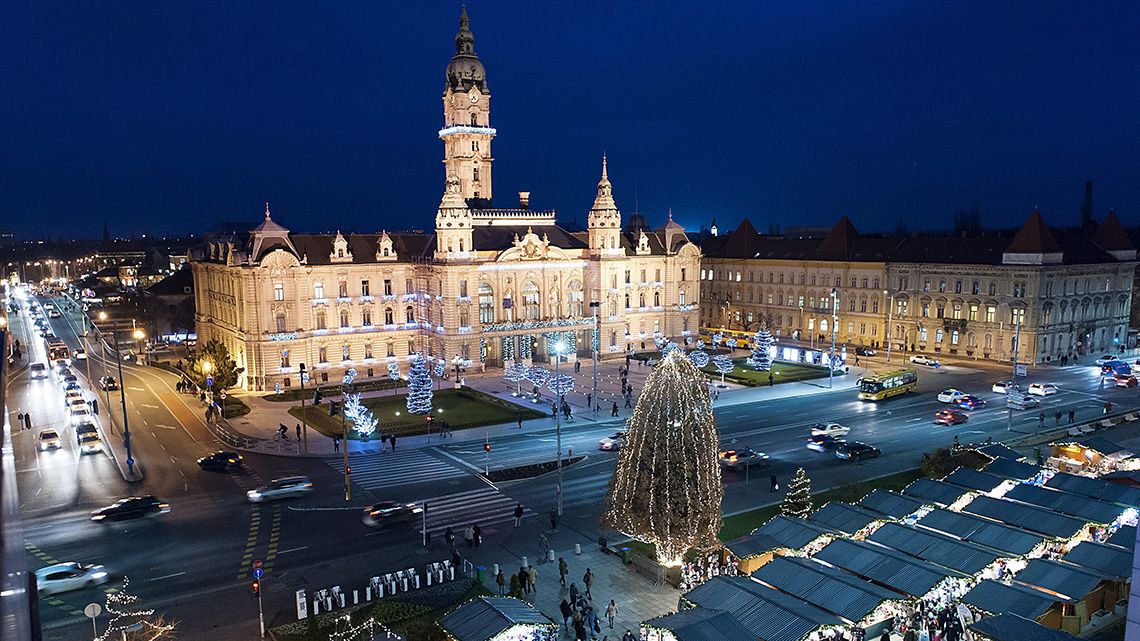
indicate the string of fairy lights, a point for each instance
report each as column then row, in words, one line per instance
column 667, row 488
column 127, row 617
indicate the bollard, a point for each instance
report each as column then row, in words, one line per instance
column 524, row 563
column 341, row 595
column 368, row 593
column 316, row 607
column 550, row 556
column 494, row 569
column 328, row 604
column 302, row 605
column 429, row 578
column 404, row 583
column 578, row 549
column 355, row 597
column 451, row 573
column 417, row 579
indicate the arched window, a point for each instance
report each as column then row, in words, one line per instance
column 486, row 303
column 575, row 298
column 464, row 318
column 389, row 316
column 681, row 297
column 409, row 314
column 281, row 322
column 641, row 299
column 657, row 299
column 954, row 337
column 344, row 318
column 345, row 352
column 613, row 339
column 627, row 301
column 366, row 317
column 532, row 305
column 938, row 335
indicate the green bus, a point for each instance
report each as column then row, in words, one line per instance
column 876, row 388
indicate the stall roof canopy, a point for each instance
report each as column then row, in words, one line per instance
column 485, row 617
column 1109, row 561
column 982, row 531
column 1030, row 517
column 1016, row 470
column 973, row 479
column 767, row 613
column 885, row 566
column 1095, row 488
column 1059, row 577
column 1081, row 507
column 939, row 492
column 844, row 517
column 1105, row 447
column 998, row 450
column 997, row 597
column 826, row 587
column 936, row 548
column 779, row 532
column 1124, row 537
column 700, row 624
column 891, row 504
column 1010, row 627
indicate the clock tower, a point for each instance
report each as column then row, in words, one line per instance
column 467, row 130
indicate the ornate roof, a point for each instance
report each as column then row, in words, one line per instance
column 465, row 70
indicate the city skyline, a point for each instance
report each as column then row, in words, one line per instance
column 201, row 118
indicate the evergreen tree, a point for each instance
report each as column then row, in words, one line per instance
column 419, row 386
column 222, row 368
column 666, row 489
column 797, row 503
column 761, row 358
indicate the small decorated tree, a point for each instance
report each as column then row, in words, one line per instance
column 797, row 503
column 761, row 358
column 419, row 386
column 537, row 375
column 699, row 357
column 731, row 343
column 724, row 365
column 717, row 338
column 362, row 420
column 515, row 373
column 394, row 374
column 560, row 385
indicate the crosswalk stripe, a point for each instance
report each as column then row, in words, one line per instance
column 376, row 471
column 485, row 506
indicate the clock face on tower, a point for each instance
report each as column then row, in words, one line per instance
column 473, row 96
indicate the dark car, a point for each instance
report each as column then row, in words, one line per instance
column 823, row 442
column 221, row 462
column 391, row 513
column 130, row 508
column 864, row 351
column 856, row 451
column 83, row 429
column 951, row 417
column 970, row 402
column 108, row 383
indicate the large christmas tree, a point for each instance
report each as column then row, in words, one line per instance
column 666, row 489
column 797, row 503
column 419, row 386
column 761, row 358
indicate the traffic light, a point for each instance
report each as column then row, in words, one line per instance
column 334, row 407
column 317, row 397
column 348, row 471
column 256, row 587
column 486, row 447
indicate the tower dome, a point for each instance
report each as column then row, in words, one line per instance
column 465, row 70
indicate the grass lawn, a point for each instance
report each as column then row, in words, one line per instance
column 233, row 407
column 330, row 390
column 463, row 408
column 782, row 373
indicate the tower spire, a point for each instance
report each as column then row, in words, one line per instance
column 267, row 210
column 604, row 201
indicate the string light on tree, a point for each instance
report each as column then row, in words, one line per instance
column 561, row 384
column 699, row 357
column 440, row 368
column 761, row 358
column 362, row 420
column 515, row 373
column 666, row 489
column 797, row 503
column 537, row 375
column 723, row 364
column 419, row 386
column 731, row 343
column 126, row 615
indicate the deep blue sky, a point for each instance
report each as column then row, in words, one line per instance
column 168, row 117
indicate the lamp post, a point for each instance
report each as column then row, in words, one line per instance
column 305, row 437
column 831, row 356
column 123, row 398
column 458, row 362
column 595, row 344
column 890, row 319
column 558, row 347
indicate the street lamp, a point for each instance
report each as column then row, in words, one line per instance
column 123, row 399
column 559, row 347
column 304, row 416
column 458, row 361
column 890, row 319
column 831, row 356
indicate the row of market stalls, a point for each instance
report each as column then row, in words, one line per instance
column 1018, row 551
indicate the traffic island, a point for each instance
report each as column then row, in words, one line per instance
column 530, row 471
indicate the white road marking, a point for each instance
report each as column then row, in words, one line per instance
column 136, row 389
column 168, row 576
column 166, row 427
column 149, row 407
column 303, row 547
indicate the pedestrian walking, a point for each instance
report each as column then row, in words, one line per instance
column 553, row 519
column 524, row 580
column 577, row 366
column 574, row 593
column 614, row 411
column 478, row 534
column 27, row 421
column 532, row 578
column 771, row 379
column 611, row 612
column 501, row 581
column 469, row 536
column 1041, row 420
column 336, row 444
column 393, row 439
column 298, row 431
column 518, row 514
column 628, row 399
column 956, row 443
column 564, row 607
column 94, row 406
column 449, row 536
column 775, row 484
column 579, row 627
column 588, row 580
column 1057, row 418
column 1072, row 415
column 562, row 570
column 589, row 399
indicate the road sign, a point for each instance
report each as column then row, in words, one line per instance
column 257, row 573
column 92, row 610
column 256, row 564
column 210, row 381
column 130, row 460
column 1021, row 369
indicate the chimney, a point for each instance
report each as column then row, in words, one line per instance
column 524, row 199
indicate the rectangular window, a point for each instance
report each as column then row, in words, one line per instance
column 991, row 312
column 368, row 350
column 408, row 286
column 973, row 312
column 318, row 290
column 682, row 273
column 657, row 275
column 366, row 317
column 957, row 287
column 364, row 290
column 342, row 289
column 278, row 291
column 387, row 286
column 391, row 349
column 322, row 355
column 462, row 288
column 321, row 320
column 411, row 347
column 922, row 334
column 627, row 276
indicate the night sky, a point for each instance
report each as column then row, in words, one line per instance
column 170, row 117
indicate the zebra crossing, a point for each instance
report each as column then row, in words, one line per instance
column 485, row 506
column 390, row 469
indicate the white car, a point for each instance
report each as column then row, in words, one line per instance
column 613, row 442
column 950, row 395
column 1107, row 358
column 76, row 403
column 38, row 370
column 283, row 488
column 49, row 440
column 80, row 415
column 63, row 577
column 79, row 355
column 922, row 359
column 829, row 429
column 1003, row 387
column 1042, row 389
column 90, row 444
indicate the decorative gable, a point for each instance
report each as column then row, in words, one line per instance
column 530, row 247
column 340, row 252
column 384, row 249
column 642, row 244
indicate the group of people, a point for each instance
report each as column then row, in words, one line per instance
column 578, row 613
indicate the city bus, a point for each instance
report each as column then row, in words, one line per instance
column 57, row 351
column 876, row 388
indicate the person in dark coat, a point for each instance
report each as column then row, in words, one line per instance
column 565, row 608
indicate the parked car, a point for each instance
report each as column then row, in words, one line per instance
column 922, row 359
column 822, row 443
column 80, row 414
column 130, row 508
column 108, row 384
column 83, row 429
column 67, row 380
column 950, row 395
column 829, row 429
column 951, row 417
column 970, row 402
column 391, row 513
column 1124, row 380
column 1003, row 387
column 1042, row 389
column 613, row 442
column 64, row 577
column 49, row 440
column 742, row 457
column 856, row 451
column 282, row 488
column 221, row 462
column 90, row 444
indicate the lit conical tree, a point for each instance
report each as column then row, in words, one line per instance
column 761, row 358
column 797, row 503
column 666, row 489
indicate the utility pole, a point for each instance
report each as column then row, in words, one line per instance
column 304, row 419
column 1013, row 377
column 558, row 426
column 831, row 356
column 595, row 344
column 123, row 398
column 890, row 320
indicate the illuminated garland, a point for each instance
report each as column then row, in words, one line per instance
column 123, row 618
column 515, row 373
column 393, row 371
column 537, row 375
column 362, row 420
column 699, row 358
column 419, row 386
column 508, row 348
column 761, row 358
column 526, row 346
column 562, row 322
column 440, row 367
column 482, row 350
column 723, row 364
column 561, row 384
column 368, row 630
column 667, row 488
column 797, row 503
